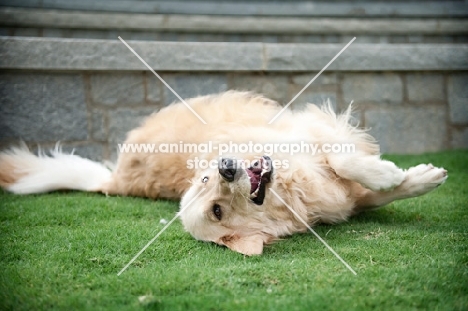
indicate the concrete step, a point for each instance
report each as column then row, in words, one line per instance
column 259, row 8
column 202, row 28
column 89, row 54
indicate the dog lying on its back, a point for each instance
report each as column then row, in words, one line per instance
column 237, row 204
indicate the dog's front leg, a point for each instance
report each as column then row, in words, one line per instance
column 368, row 170
column 418, row 180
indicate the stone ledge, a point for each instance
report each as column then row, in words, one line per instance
column 39, row 18
column 88, row 54
column 257, row 8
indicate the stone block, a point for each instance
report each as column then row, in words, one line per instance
column 53, row 33
column 384, row 39
column 461, row 39
column 408, row 130
column 153, row 88
column 26, row 32
column 326, row 78
column 251, row 38
column 117, row 89
column 169, row 36
column 415, row 39
column 365, row 57
column 460, row 138
column 313, row 39
column 122, row 33
column 142, row 35
column 458, row 98
column 188, row 86
column 98, row 126
column 274, row 87
column 374, row 38
column 87, row 34
column 297, row 38
column 439, row 39
column 202, row 56
column 399, row 39
column 42, row 107
column 189, row 37
column 5, row 31
column 332, row 39
column 270, row 38
column 385, row 88
column 211, row 37
column 122, row 120
column 425, row 87
column 232, row 38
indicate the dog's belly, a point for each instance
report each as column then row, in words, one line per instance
column 150, row 175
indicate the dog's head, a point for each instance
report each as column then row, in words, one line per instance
column 226, row 205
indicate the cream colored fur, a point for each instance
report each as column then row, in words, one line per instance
column 24, row 173
column 321, row 188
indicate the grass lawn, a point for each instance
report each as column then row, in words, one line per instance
column 63, row 251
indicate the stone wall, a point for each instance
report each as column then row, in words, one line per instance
column 92, row 111
column 87, row 93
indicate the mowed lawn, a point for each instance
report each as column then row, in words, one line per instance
column 62, row 251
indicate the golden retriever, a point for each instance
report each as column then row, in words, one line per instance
column 244, row 201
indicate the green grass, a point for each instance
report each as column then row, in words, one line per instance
column 63, row 251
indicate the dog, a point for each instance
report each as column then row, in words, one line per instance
column 249, row 198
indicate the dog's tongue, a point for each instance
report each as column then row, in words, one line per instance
column 254, row 175
column 259, row 175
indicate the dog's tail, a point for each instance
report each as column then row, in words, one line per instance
column 24, row 173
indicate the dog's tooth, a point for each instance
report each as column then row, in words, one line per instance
column 254, row 194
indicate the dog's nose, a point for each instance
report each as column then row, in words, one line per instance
column 228, row 169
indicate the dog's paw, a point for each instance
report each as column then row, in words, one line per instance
column 422, row 179
column 384, row 177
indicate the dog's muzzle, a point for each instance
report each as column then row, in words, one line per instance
column 259, row 174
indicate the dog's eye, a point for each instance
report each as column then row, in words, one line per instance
column 217, row 211
column 204, row 179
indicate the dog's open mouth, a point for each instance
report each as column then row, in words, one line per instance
column 259, row 175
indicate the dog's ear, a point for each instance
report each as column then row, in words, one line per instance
column 247, row 245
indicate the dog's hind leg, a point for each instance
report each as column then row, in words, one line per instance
column 368, row 170
column 418, row 180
